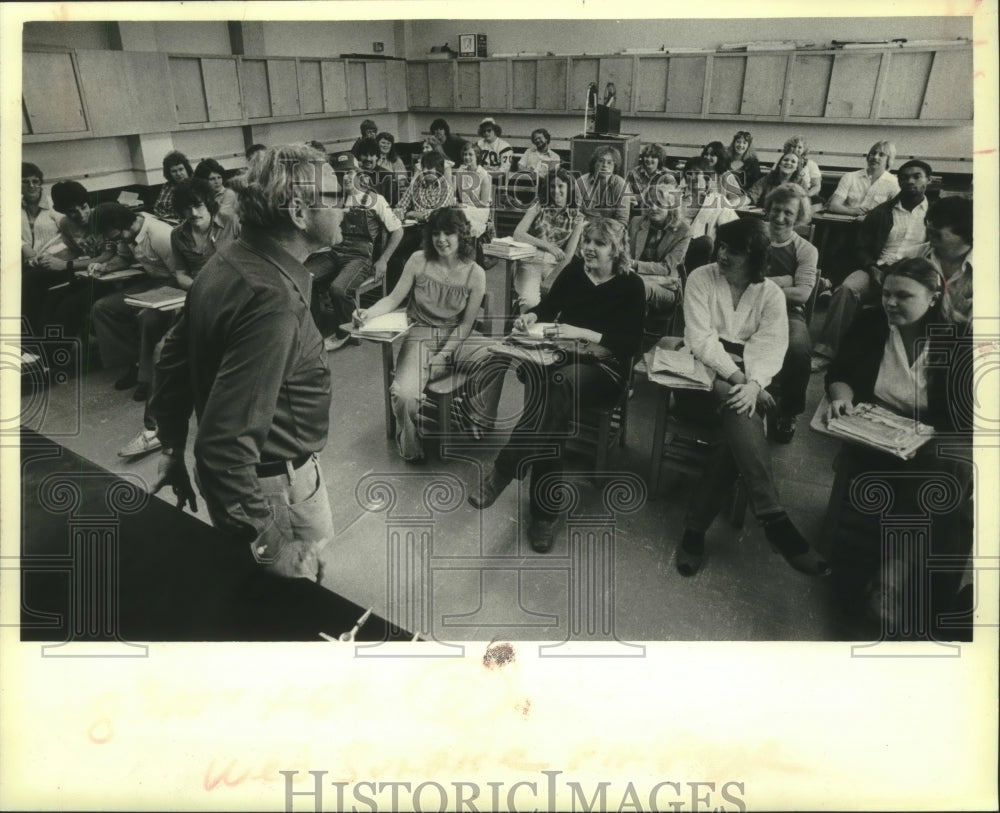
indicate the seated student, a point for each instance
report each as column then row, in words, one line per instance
column 39, row 223
column 861, row 191
column 73, row 249
column 176, row 168
column 205, row 229
column 601, row 192
column 538, row 158
column 496, row 154
column 742, row 160
column 597, row 300
column 705, row 209
column 447, row 292
column 650, row 169
column 887, row 234
column 658, row 242
column 449, row 144
column 553, row 225
column 791, row 265
column 736, row 324
column 906, row 356
column 338, row 272
column 474, row 193
column 430, row 189
column 388, row 159
column 811, row 176
column 253, row 150
column 372, row 176
column 119, row 327
column 369, row 129
column 715, row 153
column 948, row 248
column 212, row 171
column 785, row 170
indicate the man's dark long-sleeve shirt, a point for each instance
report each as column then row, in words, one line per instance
column 615, row 309
column 247, row 357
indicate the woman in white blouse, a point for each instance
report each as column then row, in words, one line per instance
column 736, row 325
column 908, row 357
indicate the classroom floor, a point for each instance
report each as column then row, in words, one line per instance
column 462, row 574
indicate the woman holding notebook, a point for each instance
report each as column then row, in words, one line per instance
column 907, row 357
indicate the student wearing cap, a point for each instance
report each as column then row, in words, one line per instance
column 339, row 271
column 496, row 153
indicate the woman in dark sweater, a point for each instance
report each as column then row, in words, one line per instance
column 906, row 356
column 598, row 302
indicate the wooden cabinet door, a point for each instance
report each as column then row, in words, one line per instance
column 949, row 87
column 189, row 92
column 810, row 84
column 493, row 85
column 395, row 84
column 524, row 84
column 377, row 95
column 550, row 86
column 283, row 84
column 256, row 98
column 440, row 79
column 417, row 88
column 852, row 85
column 468, row 84
column 357, row 90
column 51, row 93
column 222, row 89
column 310, row 86
column 686, row 84
column 764, row 84
column 334, row 86
column 727, row 84
column 652, row 85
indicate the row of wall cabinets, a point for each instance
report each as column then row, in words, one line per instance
column 86, row 94
column 899, row 86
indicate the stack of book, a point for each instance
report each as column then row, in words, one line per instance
column 163, row 298
column 508, row 249
column 876, row 427
column 677, row 368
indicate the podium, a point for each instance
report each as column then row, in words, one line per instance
column 582, row 149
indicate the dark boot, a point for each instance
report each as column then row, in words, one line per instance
column 786, row 540
column 690, row 552
column 494, row 482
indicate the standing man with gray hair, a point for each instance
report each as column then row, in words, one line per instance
column 247, row 357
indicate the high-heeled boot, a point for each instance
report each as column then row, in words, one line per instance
column 786, row 540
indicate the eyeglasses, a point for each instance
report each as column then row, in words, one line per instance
column 32, row 182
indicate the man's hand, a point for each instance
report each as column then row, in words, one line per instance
column 380, row 267
column 172, row 472
column 96, row 268
column 743, row 398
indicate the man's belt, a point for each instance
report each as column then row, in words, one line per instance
column 274, row 468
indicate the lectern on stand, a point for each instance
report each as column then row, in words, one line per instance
column 582, row 149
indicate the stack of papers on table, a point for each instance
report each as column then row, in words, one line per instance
column 875, row 427
column 509, row 248
column 162, row 298
column 677, row 368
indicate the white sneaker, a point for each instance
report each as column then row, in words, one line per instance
column 143, row 443
column 331, row 343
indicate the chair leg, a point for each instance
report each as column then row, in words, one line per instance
column 603, row 438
